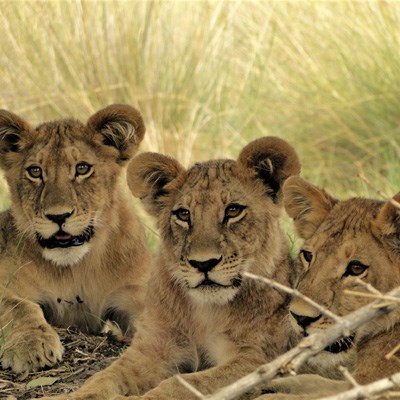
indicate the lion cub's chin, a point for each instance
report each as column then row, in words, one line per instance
column 211, row 295
column 68, row 256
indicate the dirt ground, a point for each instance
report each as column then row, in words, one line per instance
column 84, row 355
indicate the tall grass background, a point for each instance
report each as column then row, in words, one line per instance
column 209, row 76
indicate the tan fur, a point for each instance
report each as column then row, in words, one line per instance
column 339, row 233
column 103, row 277
column 223, row 331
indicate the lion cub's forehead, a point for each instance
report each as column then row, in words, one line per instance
column 59, row 130
column 208, row 181
column 351, row 218
column 211, row 173
column 60, row 139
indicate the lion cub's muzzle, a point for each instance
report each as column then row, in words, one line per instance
column 62, row 239
column 343, row 344
column 206, row 267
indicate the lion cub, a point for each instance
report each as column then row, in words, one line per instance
column 72, row 251
column 202, row 317
column 345, row 242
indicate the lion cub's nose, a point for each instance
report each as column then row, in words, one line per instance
column 205, row 266
column 58, row 218
column 304, row 321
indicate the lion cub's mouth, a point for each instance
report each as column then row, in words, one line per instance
column 210, row 283
column 343, row 344
column 63, row 239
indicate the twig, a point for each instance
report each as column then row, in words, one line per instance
column 294, row 293
column 309, row 346
column 362, row 392
column 347, row 375
column 392, row 353
column 380, row 296
column 82, row 352
column 191, row 388
column 367, row 286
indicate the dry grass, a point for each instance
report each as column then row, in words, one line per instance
column 211, row 75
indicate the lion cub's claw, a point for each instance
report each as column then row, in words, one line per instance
column 31, row 350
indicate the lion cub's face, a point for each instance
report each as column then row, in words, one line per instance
column 217, row 222
column 62, row 176
column 347, row 243
column 215, row 217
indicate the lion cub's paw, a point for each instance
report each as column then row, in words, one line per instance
column 30, row 350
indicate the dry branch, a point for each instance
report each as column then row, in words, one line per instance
column 367, row 391
column 309, row 346
column 347, row 375
column 367, row 286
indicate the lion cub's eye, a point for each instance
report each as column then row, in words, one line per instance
column 355, row 268
column 233, row 210
column 182, row 214
column 34, row 172
column 306, row 255
column 82, row 168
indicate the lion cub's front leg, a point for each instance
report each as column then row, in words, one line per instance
column 206, row 382
column 29, row 342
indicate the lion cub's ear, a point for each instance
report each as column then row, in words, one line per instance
column 150, row 176
column 13, row 130
column 121, row 126
column 272, row 160
column 388, row 221
column 307, row 204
